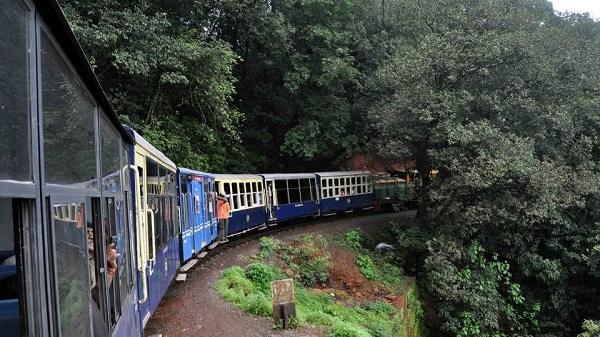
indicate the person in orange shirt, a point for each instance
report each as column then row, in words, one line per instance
column 223, row 216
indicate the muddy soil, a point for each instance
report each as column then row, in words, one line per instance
column 194, row 308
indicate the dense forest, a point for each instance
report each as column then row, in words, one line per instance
column 501, row 96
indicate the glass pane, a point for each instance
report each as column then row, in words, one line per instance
column 282, row 196
column 74, row 283
column 293, row 183
column 111, row 166
column 15, row 145
column 305, row 193
column 124, row 261
column 68, row 120
column 294, row 195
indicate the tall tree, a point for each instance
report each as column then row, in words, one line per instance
column 163, row 74
column 499, row 97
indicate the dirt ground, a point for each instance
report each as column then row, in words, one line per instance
column 194, row 308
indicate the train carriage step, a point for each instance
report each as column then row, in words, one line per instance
column 188, row 265
column 181, row 277
column 203, row 254
column 213, row 245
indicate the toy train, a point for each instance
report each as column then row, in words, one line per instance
column 77, row 188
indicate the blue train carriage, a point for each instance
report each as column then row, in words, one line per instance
column 64, row 190
column 197, row 203
column 156, row 220
column 290, row 195
column 345, row 191
column 63, row 195
column 246, row 196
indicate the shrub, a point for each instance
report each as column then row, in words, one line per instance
column 353, row 239
column 342, row 329
column 258, row 304
column 313, row 271
column 366, row 267
column 267, row 245
column 379, row 307
column 260, row 274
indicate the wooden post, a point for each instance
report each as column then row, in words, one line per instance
column 284, row 300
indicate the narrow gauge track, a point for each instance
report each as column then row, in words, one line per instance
column 194, row 308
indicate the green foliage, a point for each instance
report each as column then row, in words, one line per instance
column 308, row 259
column 592, row 328
column 234, row 286
column 342, row 329
column 353, row 238
column 477, row 294
column 379, row 307
column 366, row 267
column 266, row 245
column 261, row 275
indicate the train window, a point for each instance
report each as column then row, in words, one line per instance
column 68, row 115
column 281, row 192
column 294, row 190
column 353, row 180
column 234, row 188
column 347, row 180
column 75, row 282
column 305, row 194
column 111, row 165
column 152, row 176
column 110, row 229
column 336, row 182
column 124, row 261
column 15, row 118
column 260, row 193
column 324, row 182
column 242, row 197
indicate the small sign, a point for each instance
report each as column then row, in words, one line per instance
column 284, row 297
column 282, row 291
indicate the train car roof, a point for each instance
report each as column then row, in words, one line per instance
column 137, row 139
column 237, row 176
column 190, row 171
column 288, row 175
column 342, row 173
column 58, row 25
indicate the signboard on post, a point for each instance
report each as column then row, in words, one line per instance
column 284, row 300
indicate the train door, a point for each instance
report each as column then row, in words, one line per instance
column 186, row 209
column 143, row 237
column 210, row 220
column 271, row 200
column 74, row 261
column 198, row 213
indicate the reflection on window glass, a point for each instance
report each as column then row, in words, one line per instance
column 72, row 269
column 124, row 260
column 68, row 115
column 15, row 148
column 111, row 166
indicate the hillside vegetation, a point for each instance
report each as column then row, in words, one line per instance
column 341, row 287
